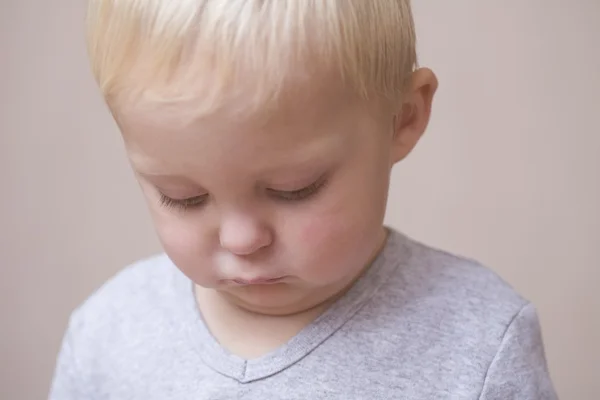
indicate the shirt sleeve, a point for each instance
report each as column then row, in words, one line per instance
column 68, row 381
column 519, row 370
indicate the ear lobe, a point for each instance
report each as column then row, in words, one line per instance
column 412, row 120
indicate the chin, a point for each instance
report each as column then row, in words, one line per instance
column 276, row 299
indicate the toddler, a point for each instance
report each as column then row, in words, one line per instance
column 263, row 134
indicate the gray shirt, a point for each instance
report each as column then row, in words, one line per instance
column 420, row 324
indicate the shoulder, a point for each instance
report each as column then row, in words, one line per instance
column 134, row 319
column 456, row 313
column 138, row 294
column 457, row 321
column 454, row 293
column 140, row 280
column 446, row 275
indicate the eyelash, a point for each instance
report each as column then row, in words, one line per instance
column 300, row 194
column 182, row 204
column 286, row 196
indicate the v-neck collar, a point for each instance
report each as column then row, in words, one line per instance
column 310, row 337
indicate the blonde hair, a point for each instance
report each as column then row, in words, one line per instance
column 163, row 48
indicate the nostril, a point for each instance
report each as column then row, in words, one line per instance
column 244, row 239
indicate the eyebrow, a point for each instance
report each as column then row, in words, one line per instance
column 146, row 168
column 305, row 163
column 159, row 175
column 162, row 178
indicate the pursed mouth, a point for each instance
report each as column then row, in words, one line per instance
column 256, row 281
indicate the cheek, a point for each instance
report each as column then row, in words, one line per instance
column 324, row 231
column 177, row 241
column 187, row 246
column 338, row 235
column 351, row 212
column 334, row 244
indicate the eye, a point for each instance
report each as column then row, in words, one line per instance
column 182, row 204
column 299, row 194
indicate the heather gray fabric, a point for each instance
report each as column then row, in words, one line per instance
column 420, row 324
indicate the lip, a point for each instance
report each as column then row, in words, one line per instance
column 256, row 281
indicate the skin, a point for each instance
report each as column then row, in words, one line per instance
column 236, row 173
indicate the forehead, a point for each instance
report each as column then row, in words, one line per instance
column 305, row 124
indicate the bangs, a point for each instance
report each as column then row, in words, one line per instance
column 216, row 51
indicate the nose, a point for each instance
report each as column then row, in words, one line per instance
column 243, row 235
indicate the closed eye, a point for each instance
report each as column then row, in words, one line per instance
column 299, row 194
column 183, row 204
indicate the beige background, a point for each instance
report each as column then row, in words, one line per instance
column 508, row 173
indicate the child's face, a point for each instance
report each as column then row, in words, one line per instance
column 298, row 197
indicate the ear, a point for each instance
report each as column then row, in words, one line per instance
column 412, row 119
